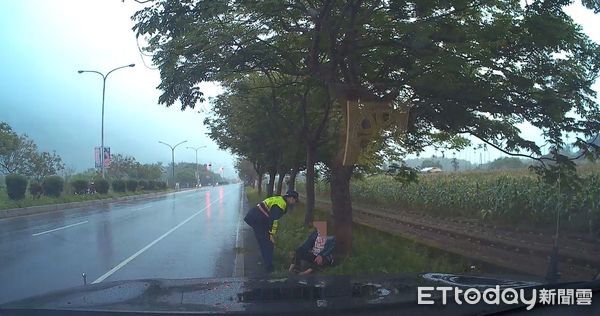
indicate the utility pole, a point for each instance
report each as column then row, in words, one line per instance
column 197, row 170
column 173, row 158
column 104, row 77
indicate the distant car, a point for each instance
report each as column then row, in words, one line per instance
column 431, row 170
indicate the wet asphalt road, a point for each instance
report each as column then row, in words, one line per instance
column 188, row 234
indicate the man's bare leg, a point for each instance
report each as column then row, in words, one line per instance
column 307, row 271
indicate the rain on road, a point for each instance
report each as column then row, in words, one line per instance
column 187, row 234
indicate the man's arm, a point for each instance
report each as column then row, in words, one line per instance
column 273, row 229
column 275, row 213
column 310, row 241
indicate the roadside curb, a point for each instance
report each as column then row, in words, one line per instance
column 31, row 210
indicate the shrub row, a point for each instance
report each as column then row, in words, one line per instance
column 53, row 186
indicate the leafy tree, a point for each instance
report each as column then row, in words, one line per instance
column 79, row 186
column 45, row 164
column 148, row 171
column 254, row 121
column 122, row 166
column 507, row 163
column 131, row 185
column 15, row 151
column 101, row 186
column 53, row 186
column 35, row 189
column 118, row 186
column 185, row 173
column 16, row 186
column 430, row 163
column 246, row 172
column 143, row 185
column 151, row 185
column 463, row 67
column 455, row 164
column 19, row 154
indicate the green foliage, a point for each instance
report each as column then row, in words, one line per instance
column 7, row 203
column 127, row 167
column 53, row 186
column 101, row 186
column 143, row 185
column 161, row 185
column 19, row 154
column 79, row 186
column 16, row 185
column 478, row 69
column 45, row 164
column 35, row 190
column 118, row 186
column 504, row 197
column 252, row 111
column 185, row 173
column 152, row 185
column 131, row 185
column 245, row 170
column 506, row 163
column 373, row 251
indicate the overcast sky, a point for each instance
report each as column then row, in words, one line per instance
column 44, row 43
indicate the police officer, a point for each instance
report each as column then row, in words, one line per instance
column 263, row 220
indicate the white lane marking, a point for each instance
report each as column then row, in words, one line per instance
column 53, row 230
column 126, row 261
column 142, row 208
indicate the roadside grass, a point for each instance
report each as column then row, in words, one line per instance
column 6, row 203
column 374, row 252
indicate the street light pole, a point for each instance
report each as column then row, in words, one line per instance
column 197, row 171
column 173, row 157
column 104, row 77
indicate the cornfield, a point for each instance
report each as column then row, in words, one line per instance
column 499, row 197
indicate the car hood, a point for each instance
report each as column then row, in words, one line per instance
column 234, row 295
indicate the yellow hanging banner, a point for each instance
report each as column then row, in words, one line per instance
column 364, row 120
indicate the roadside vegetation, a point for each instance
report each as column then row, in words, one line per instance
column 30, row 199
column 373, row 251
column 29, row 177
column 502, row 197
column 352, row 85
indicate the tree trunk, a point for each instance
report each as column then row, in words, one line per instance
column 311, row 152
column 260, row 178
column 271, row 186
column 342, row 207
column 280, row 182
column 292, row 182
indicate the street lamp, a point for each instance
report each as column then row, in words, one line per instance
column 173, row 157
column 103, row 93
column 197, row 171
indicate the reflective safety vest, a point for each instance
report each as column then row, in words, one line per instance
column 265, row 208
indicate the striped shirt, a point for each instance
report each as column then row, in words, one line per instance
column 319, row 245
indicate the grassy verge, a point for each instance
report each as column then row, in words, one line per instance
column 373, row 251
column 6, row 203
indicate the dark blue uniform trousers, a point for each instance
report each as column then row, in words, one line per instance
column 261, row 225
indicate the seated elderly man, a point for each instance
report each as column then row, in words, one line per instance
column 317, row 250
